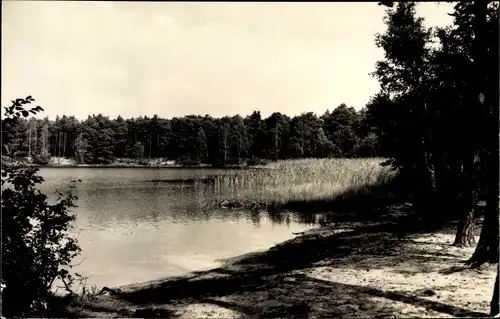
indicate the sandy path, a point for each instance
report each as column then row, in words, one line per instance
column 467, row 289
column 426, row 290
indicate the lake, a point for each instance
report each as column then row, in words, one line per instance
column 133, row 229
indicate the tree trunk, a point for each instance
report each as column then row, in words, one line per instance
column 467, row 202
column 64, row 144
column 426, row 170
column 54, row 151
column 487, row 248
column 36, row 140
column 225, row 149
column 495, row 301
column 149, row 147
column 465, row 232
column 60, row 145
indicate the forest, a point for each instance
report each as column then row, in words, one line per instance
column 344, row 132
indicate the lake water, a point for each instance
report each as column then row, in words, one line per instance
column 132, row 229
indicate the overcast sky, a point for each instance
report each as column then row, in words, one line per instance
column 173, row 59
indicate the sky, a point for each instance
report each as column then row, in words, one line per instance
column 178, row 58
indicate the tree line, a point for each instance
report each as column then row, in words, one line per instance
column 202, row 139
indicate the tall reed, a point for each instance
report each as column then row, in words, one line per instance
column 302, row 180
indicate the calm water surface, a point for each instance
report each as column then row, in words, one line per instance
column 131, row 229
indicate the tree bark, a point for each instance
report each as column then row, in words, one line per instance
column 60, row 144
column 487, row 248
column 495, row 301
column 432, row 209
column 474, row 115
column 29, row 141
column 55, row 146
column 467, row 200
column 149, row 147
column 64, row 143
column 465, row 232
column 36, row 140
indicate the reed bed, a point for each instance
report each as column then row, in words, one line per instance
column 302, row 180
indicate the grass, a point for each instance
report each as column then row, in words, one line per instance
column 303, row 180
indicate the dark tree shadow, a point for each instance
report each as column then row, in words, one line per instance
column 347, row 297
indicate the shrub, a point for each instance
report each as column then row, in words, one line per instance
column 36, row 245
column 189, row 163
column 256, row 162
column 41, row 160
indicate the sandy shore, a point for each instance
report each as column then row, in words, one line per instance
column 353, row 269
column 120, row 165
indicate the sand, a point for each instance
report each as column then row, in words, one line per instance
column 433, row 293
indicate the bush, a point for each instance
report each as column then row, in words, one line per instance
column 41, row 160
column 256, row 162
column 189, row 163
column 36, row 246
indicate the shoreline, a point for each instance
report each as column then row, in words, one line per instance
column 230, row 261
column 66, row 162
column 327, row 271
column 120, row 165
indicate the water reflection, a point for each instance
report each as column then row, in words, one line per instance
column 112, row 200
column 255, row 217
column 131, row 229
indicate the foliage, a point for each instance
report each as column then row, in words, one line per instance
column 138, row 151
column 227, row 140
column 36, row 246
column 426, row 118
column 436, row 116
